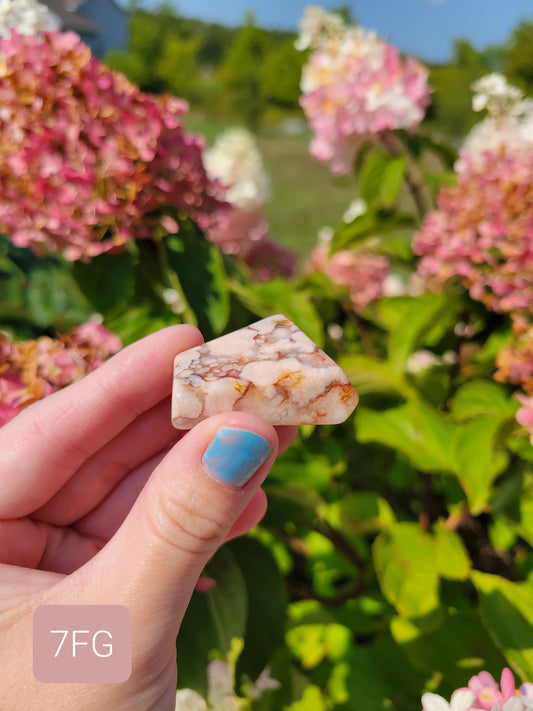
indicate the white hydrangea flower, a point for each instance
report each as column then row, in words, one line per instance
column 318, row 26
column 325, row 234
column 355, row 209
column 236, row 161
column 189, row 700
column 514, row 704
column 393, row 285
column 494, row 93
column 461, row 700
column 220, row 683
column 418, row 362
column 509, row 125
column 27, row 17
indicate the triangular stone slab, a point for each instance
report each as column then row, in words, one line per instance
column 271, row 369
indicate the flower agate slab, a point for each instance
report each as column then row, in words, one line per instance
column 271, row 369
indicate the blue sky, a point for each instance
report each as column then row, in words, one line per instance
column 423, row 27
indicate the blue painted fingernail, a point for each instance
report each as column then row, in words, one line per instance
column 235, row 455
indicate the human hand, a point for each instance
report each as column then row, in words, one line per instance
column 102, row 501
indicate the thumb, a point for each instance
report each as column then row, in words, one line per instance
column 189, row 506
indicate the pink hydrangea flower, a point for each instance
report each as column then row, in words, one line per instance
column 482, row 233
column 362, row 275
column 268, row 259
column 524, row 416
column 87, row 161
column 490, row 695
column 236, row 229
column 33, row 369
column 356, row 86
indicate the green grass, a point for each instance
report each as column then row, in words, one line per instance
column 305, row 195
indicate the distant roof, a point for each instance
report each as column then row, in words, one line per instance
column 71, row 20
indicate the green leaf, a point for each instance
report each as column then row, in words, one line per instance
column 228, row 600
column 360, row 679
column 507, row 611
column 370, row 376
column 369, row 225
column 418, row 143
column 107, row 281
column 380, row 179
column 406, row 567
column 456, row 649
column 54, row 299
column 199, row 267
column 415, row 429
column 212, row 620
column 364, row 512
column 453, row 561
column 483, row 398
column 478, row 460
column 312, row 643
column 137, row 321
column 267, row 605
column 37, row 293
column 312, row 700
column 408, row 321
column 525, row 527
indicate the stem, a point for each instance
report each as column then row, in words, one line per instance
column 429, row 514
column 363, row 333
column 304, row 593
column 342, row 544
column 413, row 177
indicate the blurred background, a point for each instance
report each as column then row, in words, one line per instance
column 236, row 64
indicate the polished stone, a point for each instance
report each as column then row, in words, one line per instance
column 271, row 369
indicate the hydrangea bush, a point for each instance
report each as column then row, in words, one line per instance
column 394, row 566
column 87, row 161
column 35, row 368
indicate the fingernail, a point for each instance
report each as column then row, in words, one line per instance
column 235, row 455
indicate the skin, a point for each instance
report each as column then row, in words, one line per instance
column 102, row 501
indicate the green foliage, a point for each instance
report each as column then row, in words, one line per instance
column 452, row 100
column 518, row 57
column 507, row 609
column 241, row 71
column 237, row 73
column 177, row 66
column 396, row 554
column 37, row 294
column 281, row 73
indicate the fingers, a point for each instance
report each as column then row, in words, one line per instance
column 104, row 520
column 148, row 435
column 251, row 515
column 193, row 501
column 44, row 445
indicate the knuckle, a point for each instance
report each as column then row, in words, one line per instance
column 187, row 524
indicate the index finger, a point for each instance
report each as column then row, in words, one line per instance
column 44, row 445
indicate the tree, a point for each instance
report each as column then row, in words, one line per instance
column 241, row 71
column 518, row 57
column 452, row 83
column 177, row 65
column 281, row 74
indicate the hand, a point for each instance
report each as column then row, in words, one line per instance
column 102, row 501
